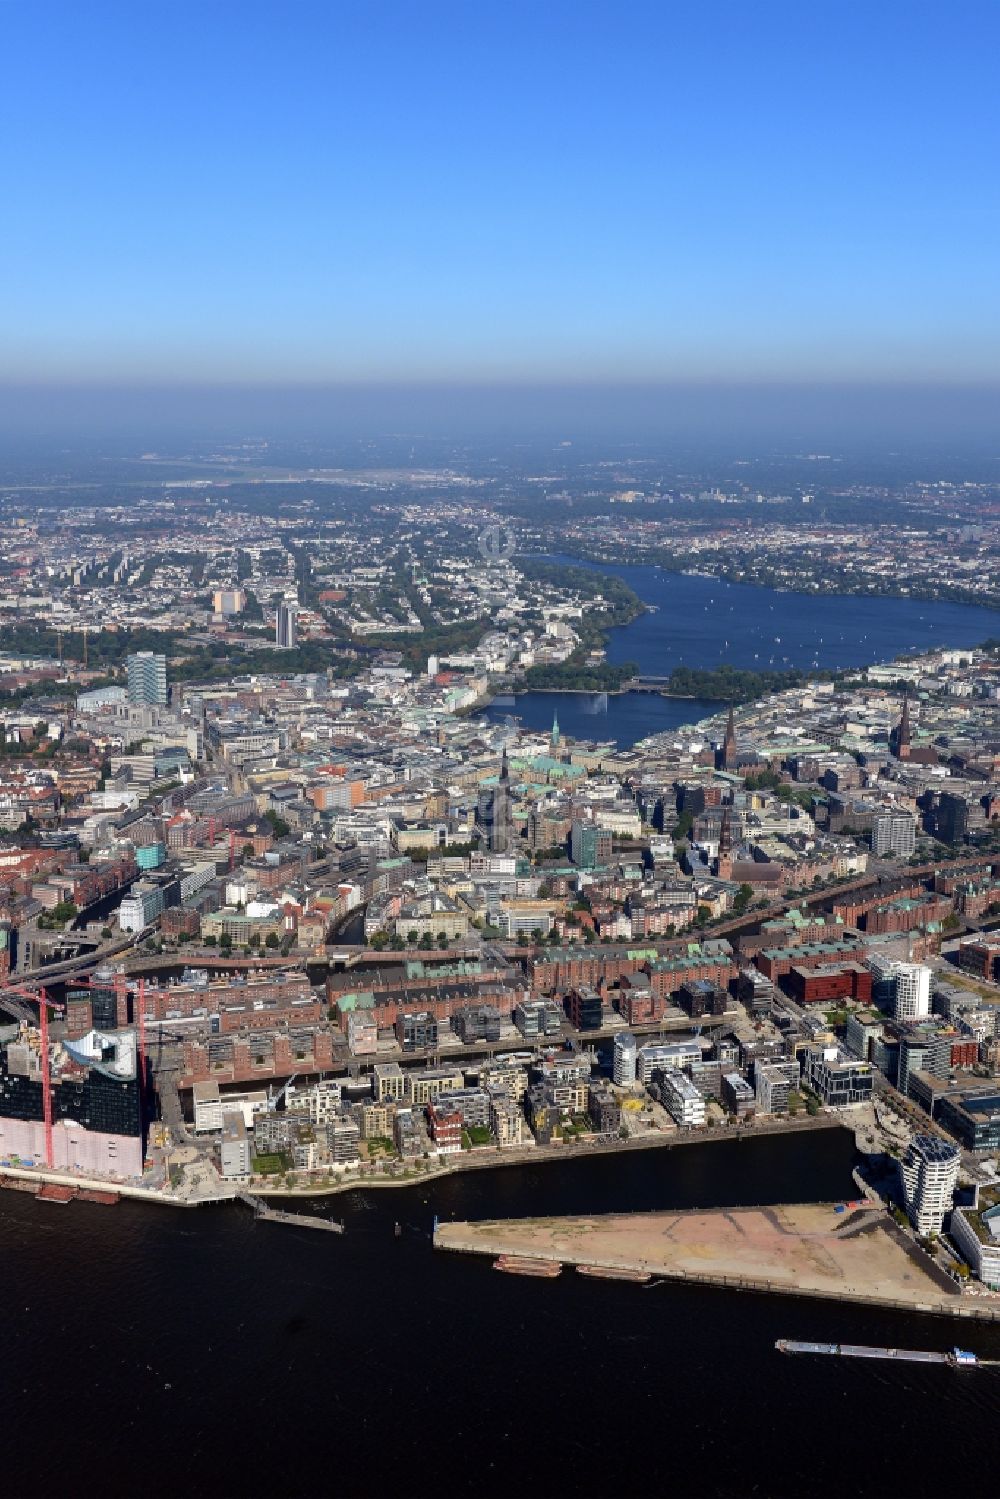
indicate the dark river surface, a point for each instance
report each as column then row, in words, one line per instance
column 156, row 1351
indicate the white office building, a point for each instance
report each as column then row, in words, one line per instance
column 929, row 1172
column 141, row 908
column 673, row 1055
column 624, row 1064
column 211, row 1107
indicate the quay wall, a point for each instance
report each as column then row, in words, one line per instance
column 448, row 1236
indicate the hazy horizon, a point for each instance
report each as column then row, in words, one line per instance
column 762, row 416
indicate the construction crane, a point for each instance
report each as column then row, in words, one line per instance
column 232, row 849
column 274, row 1100
column 40, row 997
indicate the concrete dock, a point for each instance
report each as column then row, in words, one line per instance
column 825, row 1250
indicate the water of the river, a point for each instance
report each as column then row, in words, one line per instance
column 154, row 1352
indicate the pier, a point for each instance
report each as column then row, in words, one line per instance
column 829, row 1251
column 300, row 1220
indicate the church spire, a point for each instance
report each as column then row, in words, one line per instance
column 728, row 757
column 555, row 730
column 902, row 737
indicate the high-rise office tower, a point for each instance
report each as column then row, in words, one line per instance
column 147, row 678
column 285, row 634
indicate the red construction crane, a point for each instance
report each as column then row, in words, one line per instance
column 40, row 997
column 232, row 849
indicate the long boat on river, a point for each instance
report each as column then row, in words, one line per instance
column 957, row 1358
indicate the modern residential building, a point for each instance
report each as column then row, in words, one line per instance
column 506, row 1118
column 147, row 678
column 417, row 1030
column 344, row 1139
column 623, row 1067
column 737, row 1095
column 773, row 1082
column 680, row 1097
column 446, row 1129
column 913, row 990
column 234, row 1148
column 976, row 1233
column 839, row 1079
column 666, row 1056
column 604, row 1108
column 388, row 1082
column 472, row 1104
column 929, row 1173
column 893, row 834
column 535, row 1018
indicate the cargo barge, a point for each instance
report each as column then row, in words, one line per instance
column 608, row 1272
column 512, row 1264
column 957, row 1358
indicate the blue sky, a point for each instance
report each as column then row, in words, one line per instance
column 233, row 191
